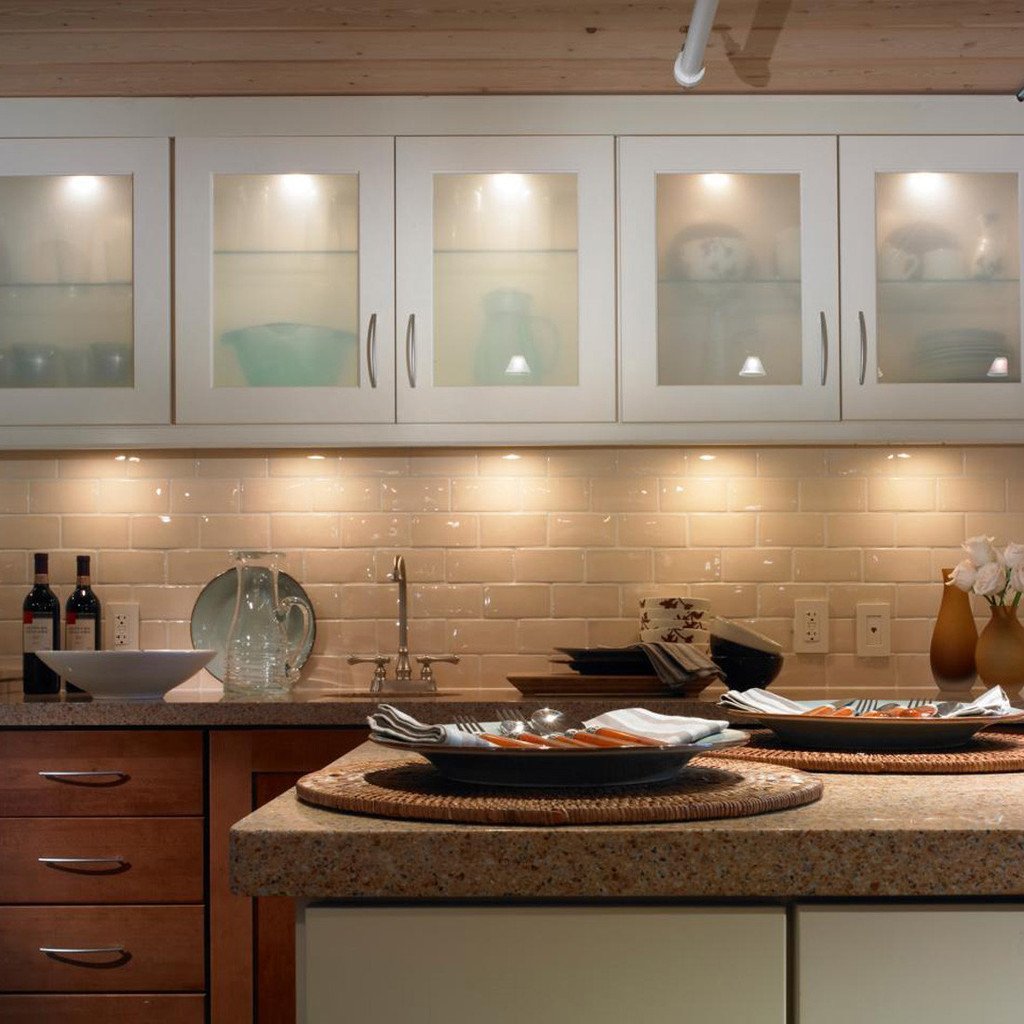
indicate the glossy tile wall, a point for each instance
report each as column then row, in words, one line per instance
column 512, row 552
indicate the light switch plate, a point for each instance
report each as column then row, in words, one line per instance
column 874, row 629
column 810, row 626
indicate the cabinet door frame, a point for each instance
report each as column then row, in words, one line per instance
column 641, row 159
column 147, row 161
column 860, row 159
column 591, row 158
column 197, row 160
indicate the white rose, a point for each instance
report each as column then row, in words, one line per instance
column 962, row 575
column 991, row 580
column 1017, row 578
column 979, row 550
column 1013, row 556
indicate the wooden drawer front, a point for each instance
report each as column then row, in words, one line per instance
column 142, row 773
column 105, row 1009
column 163, row 949
column 101, row 860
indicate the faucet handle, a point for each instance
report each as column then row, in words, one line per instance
column 380, row 674
column 426, row 660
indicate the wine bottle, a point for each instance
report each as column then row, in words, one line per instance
column 82, row 615
column 40, row 631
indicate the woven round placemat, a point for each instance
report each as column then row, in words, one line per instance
column 982, row 754
column 411, row 788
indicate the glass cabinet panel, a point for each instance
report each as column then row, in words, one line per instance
column 948, row 288
column 66, row 281
column 286, row 280
column 729, row 279
column 506, row 271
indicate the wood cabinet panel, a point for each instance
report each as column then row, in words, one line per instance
column 163, row 949
column 144, row 773
column 102, row 1009
column 237, row 760
column 161, row 860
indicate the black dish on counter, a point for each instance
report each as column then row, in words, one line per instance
column 749, row 659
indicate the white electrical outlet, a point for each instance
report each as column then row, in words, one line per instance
column 874, row 629
column 124, row 626
column 810, row 626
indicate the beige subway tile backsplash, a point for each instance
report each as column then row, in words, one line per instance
column 513, row 552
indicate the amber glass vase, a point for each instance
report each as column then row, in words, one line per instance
column 1000, row 652
column 953, row 641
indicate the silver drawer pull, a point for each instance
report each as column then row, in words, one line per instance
column 371, row 350
column 80, row 951
column 81, row 860
column 410, row 349
column 85, row 775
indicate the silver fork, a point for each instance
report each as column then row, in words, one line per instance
column 512, row 722
column 466, row 723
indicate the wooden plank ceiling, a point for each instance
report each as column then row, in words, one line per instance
column 329, row 47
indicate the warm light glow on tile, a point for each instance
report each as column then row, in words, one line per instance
column 707, row 458
column 316, row 458
column 511, row 456
column 165, row 519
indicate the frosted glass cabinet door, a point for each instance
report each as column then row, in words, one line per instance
column 506, row 280
column 84, row 281
column 728, row 279
column 285, row 276
column 931, row 254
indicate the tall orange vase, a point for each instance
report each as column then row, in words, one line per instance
column 1000, row 652
column 953, row 641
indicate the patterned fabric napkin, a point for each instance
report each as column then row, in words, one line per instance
column 390, row 723
column 679, row 664
column 666, row 728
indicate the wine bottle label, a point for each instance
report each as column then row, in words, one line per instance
column 36, row 634
column 80, row 634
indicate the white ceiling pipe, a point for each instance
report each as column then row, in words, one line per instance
column 689, row 66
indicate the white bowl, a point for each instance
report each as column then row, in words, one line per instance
column 675, row 605
column 699, row 638
column 126, row 675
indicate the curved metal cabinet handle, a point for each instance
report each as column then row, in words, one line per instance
column 863, row 345
column 58, row 861
column 824, row 347
column 371, row 350
column 58, row 776
column 80, row 950
column 410, row 349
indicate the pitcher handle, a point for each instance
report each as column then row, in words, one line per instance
column 284, row 609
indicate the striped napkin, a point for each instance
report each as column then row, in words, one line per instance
column 390, row 723
column 665, row 728
column 679, row 664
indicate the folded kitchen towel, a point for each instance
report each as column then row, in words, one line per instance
column 676, row 665
column 390, row 723
column 991, row 704
column 667, row 728
column 760, row 700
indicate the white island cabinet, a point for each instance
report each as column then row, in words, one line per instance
column 545, row 964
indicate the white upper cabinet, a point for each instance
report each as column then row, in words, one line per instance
column 931, row 239
column 728, row 279
column 84, row 281
column 284, row 284
column 505, row 279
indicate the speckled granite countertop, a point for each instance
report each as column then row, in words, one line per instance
column 305, row 707
column 869, row 836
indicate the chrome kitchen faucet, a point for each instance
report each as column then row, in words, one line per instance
column 403, row 668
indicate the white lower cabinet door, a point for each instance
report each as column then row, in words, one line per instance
column 909, row 964
column 546, row 965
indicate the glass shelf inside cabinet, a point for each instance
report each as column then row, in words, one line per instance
column 948, row 288
column 286, row 280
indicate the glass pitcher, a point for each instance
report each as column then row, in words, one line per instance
column 259, row 657
column 516, row 346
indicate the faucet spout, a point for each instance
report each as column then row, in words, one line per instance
column 403, row 667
